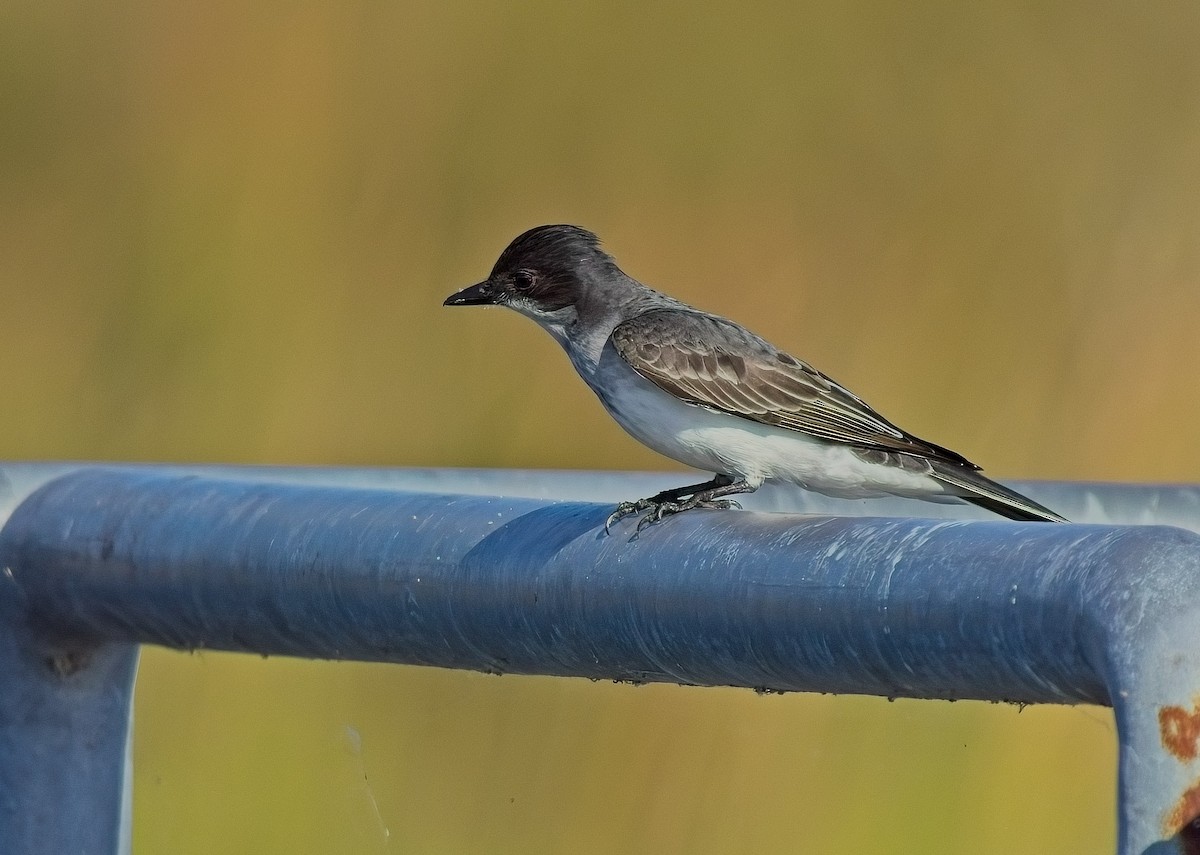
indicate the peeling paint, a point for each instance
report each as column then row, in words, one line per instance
column 1180, row 731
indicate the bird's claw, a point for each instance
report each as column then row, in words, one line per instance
column 658, row 511
column 625, row 509
column 656, row 514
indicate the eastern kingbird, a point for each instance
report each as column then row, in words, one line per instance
column 708, row 393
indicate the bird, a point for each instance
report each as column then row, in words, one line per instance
column 708, row 393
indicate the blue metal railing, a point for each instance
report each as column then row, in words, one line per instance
column 434, row 568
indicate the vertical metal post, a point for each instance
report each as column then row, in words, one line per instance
column 65, row 717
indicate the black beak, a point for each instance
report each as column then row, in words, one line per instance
column 483, row 294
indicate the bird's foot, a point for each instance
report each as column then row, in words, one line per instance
column 656, row 511
column 662, row 510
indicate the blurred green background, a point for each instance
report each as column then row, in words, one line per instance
column 225, row 233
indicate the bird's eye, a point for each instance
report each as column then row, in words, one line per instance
column 523, row 280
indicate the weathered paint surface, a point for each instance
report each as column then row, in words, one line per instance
column 1180, row 730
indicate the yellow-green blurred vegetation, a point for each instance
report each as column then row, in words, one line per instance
column 225, row 233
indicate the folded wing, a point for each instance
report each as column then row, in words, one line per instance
column 711, row 362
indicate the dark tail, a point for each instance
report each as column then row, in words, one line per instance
column 998, row 499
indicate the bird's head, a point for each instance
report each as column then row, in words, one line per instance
column 544, row 274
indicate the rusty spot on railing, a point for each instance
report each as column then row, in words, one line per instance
column 1184, row 818
column 1180, row 731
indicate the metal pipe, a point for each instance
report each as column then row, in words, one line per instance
column 888, row 606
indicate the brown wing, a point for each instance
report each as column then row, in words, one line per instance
column 711, row 362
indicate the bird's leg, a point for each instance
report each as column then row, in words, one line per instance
column 690, row 490
column 665, row 497
column 707, row 498
column 706, row 495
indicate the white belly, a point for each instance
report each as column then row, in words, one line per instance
column 721, row 443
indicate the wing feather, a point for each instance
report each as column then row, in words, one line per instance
column 711, row 362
